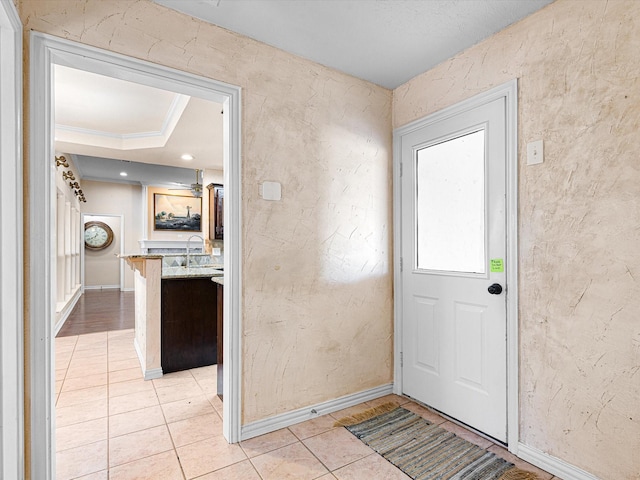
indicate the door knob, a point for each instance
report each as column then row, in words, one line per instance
column 495, row 289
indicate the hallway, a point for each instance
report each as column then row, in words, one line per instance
column 100, row 311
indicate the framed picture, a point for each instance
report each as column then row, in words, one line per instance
column 178, row 213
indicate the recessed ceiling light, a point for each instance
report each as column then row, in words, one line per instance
column 123, row 174
column 187, row 156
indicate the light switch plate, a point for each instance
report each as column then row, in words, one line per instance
column 535, row 152
column 271, row 191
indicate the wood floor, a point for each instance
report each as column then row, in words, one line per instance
column 100, row 311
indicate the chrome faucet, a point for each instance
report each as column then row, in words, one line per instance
column 188, row 251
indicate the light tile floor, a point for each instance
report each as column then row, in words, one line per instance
column 111, row 424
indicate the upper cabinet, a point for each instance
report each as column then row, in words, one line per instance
column 216, row 211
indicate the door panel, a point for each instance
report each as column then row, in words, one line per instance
column 470, row 328
column 453, row 225
column 427, row 334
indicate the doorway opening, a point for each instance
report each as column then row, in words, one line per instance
column 47, row 52
column 100, row 272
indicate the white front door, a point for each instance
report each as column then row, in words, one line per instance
column 453, row 253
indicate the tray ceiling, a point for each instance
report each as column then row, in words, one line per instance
column 101, row 117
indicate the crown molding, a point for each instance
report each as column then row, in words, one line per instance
column 126, row 141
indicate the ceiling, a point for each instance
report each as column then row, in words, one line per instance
column 109, row 170
column 386, row 42
column 101, row 121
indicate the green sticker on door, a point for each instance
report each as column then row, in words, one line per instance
column 497, row 265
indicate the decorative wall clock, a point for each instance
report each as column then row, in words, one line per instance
column 97, row 235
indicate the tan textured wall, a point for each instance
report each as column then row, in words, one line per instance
column 579, row 90
column 317, row 283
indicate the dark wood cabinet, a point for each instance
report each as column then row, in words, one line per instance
column 216, row 211
column 220, row 317
column 189, row 323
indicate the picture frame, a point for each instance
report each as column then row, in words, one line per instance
column 177, row 213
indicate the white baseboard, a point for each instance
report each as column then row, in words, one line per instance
column 147, row 374
column 102, row 287
column 284, row 420
column 127, row 289
column 153, row 373
column 556, row 466
column 66, row 311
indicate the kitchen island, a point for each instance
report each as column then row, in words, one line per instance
column 175, row 314
column 219, row 282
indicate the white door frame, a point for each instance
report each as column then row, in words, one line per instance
column 45, row 52
column 11, row 237
column 509, row 91
column 121, row 266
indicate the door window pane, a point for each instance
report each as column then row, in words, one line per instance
column 450, row 194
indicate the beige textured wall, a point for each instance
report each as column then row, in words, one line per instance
column 579, row 90
column 317, row 283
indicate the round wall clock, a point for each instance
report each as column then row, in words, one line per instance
column 97, row 235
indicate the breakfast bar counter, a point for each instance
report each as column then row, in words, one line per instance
column 175, row 314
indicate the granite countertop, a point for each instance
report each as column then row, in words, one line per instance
column 218, row 280
column 192, row 272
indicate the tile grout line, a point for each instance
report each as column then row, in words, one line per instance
column 108, row 408
column 316, row 457
column 253, row 465
column 66, row 370
column 166, row 424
